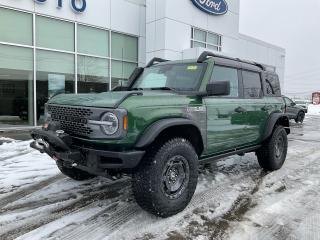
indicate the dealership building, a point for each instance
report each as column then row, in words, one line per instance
column 86, row 46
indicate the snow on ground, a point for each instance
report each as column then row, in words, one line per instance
column 20, row 166
column 234, row 199
column 314, row 109
column 5, row 140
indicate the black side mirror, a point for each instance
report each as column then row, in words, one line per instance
column 219, row 88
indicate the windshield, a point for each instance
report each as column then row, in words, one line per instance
column 179, row 77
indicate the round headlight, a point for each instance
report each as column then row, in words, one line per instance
column 110, row 123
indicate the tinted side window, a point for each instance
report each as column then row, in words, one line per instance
column 272, row 84
column 269, row 88
column 227, row 74
column 251, row 84
column 288, row 101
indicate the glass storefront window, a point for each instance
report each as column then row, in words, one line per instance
column 124, row 47
column 213, row 39
column 93, row 41
column 198, row 44
column 199, row 35
column 205, row 39
column 16, row 86
column 93, row 75
column 55, row 54
column 54, row 34
column 121, row 71
column 15, row 27
column 55, row 75
column 213, row 48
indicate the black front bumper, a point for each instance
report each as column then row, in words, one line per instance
column 60, row 148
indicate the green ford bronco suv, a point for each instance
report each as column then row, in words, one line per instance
column 172, row 116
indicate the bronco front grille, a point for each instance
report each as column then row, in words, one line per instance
column 73, row 120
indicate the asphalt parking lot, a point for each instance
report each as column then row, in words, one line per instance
column 235, row 199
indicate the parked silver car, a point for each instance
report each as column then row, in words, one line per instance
column 295, row 111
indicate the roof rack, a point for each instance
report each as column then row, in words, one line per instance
column 155, row 60
column 204, row 56
column 254, row 63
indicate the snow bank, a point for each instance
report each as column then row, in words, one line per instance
column 6, row 140
column 21, row 166
column 314, row 109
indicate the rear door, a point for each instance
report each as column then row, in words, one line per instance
column 255, row 105
column 225, row 120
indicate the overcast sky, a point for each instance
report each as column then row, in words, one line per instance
column 293, row 25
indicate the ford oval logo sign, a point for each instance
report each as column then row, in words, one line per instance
column 214, row 7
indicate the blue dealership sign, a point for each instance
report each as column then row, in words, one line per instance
column 213, row 7
column 78, row 6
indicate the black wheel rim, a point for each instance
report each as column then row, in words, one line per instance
column 279, row 147
column 175, row 177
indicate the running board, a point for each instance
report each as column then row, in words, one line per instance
column 228, row 154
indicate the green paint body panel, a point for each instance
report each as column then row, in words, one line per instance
column 226, row 129
column 100, row 100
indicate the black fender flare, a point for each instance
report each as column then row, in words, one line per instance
column 153, row 131
column 273, row 119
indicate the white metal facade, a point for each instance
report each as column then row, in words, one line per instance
column 169, row 23
column 163, row 27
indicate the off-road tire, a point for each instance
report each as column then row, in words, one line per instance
column 270, row 157
column 300, row 117
column 149, row 186
column 74, row 173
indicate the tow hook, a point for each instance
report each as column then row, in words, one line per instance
column 41, row 145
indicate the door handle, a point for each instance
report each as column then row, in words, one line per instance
column 240, row 110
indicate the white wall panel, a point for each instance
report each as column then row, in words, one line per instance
column 172, row 55
column 50, row 8
column 150, row 37
column 160, row 34
column 142, row 51
column 230, row 46
column 27, row 5
column 165, row 54
column 178, row 35
column 97, row 13
column 186, row 12
column 161, row 11
column 150, row 11
column 125, row 16
column 234, row 6
column 226, row 25
column 164, row 27
column 142, row 20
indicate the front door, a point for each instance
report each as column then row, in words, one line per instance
column 290, row 108
column 225, row 117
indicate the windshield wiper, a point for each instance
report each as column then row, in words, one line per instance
column 164, row 88
column 136, row 89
